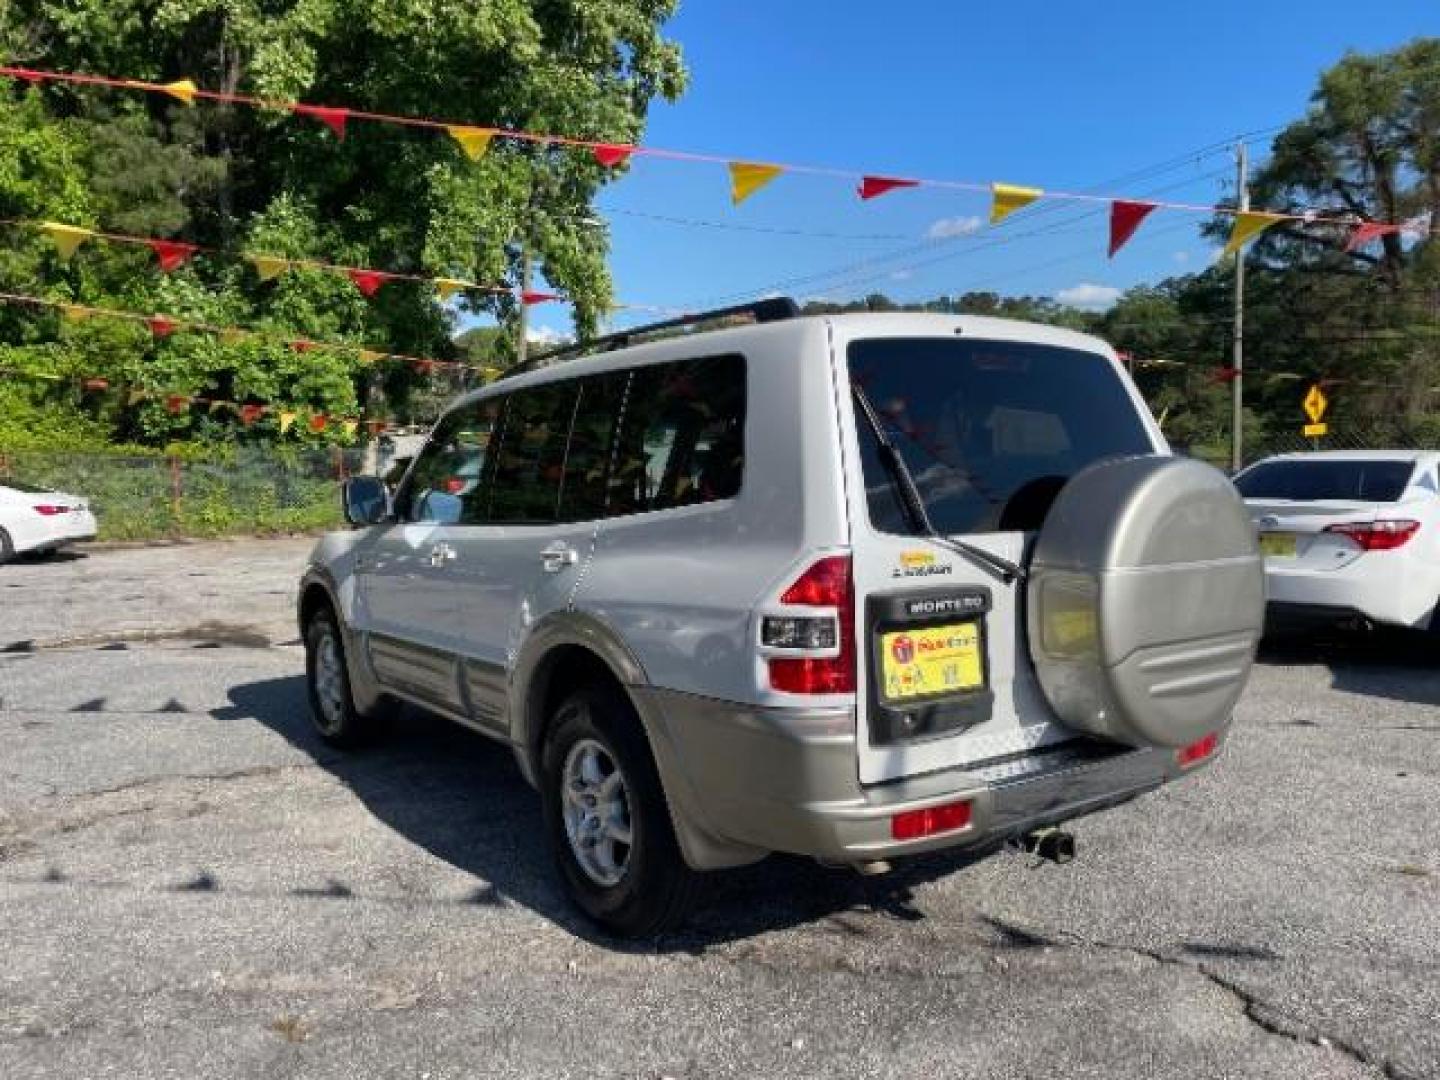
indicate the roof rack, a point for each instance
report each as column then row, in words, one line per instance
column 771, row 309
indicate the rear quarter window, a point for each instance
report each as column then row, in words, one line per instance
column 1326, row 480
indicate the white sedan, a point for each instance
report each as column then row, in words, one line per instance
column 1349, row 535
column 34, row 519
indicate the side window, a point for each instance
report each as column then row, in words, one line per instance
column 683, row 437
column 447, row 468
column 530, row 459
column 592, row 440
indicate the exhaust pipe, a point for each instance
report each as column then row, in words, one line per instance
column 1052, row 844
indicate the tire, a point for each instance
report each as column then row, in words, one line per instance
column 7, row 548
column 327, row 684
column 637, row 889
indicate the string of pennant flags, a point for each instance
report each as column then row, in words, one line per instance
column 748, row 177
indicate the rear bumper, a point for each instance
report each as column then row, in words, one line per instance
column 746, row 781
column 1385, row 587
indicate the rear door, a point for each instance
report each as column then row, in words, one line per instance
column 990, row 430
column 1294, row 501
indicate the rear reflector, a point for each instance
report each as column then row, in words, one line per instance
column 1197, row 751
column 826, row 583
column 1377, row 535
column 913, row 824
column 47, row 510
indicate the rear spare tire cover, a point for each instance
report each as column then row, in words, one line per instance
column 1146, row 601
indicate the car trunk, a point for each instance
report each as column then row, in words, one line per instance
column 1293, row 534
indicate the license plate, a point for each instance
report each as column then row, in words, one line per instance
column 934, row 660
column 1277, row 545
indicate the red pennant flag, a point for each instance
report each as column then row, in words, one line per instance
column 334, row 119
column 318, row 422
column 172, row 253
column 97, row 384
column 160, row 326
column 368, row 281
column 529, row 296
column 1367, row 231
column 611, row 154
column 375, row 426
column 250, row 413
column 175, row 404
column 302, row 346
column 34, row 78
column 1225, row 375
column 424, row 367
column 1125, row 218
column 871, row 186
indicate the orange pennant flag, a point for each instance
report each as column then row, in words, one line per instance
column 250, row 413
column 182, row 89
column 318, row 422
column 1247, row 226
column 67, row 237
column 1007, row 198
column 287, row 420
column 473, row 140
column 268, row 266
column 746, row 178
column 175, row 404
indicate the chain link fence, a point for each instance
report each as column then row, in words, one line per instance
column 256, row 490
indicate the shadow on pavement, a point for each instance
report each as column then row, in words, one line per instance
column 1401, row 665
column 461, row 798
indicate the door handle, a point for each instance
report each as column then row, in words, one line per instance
column 557, row 556
column 441, row 553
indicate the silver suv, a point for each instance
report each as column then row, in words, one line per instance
column 853, row 587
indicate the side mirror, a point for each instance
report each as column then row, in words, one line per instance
column 365, row 499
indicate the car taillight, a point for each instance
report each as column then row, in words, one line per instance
column 49, row 510
column 1197, row 751
column 1377, row 535
column 913, row 824
column 827, row 583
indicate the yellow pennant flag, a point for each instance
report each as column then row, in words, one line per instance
column 370, row 356
column 350, row 427
column 182, row 89
column 137, row 396
column 473, row 140
column 232, row 336
column 75, row 313
column 67, row 237
column 287, row 420
column 1247, row 227
column 448, row 286
column 1007, row 198
column 747, row 178
column 268, row 267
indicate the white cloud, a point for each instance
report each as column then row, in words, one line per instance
column 547, row 335
column 1088, row 296
column 948, row 227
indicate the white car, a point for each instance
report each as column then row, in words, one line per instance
column 1349, row 535
column 35, row 519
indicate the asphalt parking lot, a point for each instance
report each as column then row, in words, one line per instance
column 191, row 886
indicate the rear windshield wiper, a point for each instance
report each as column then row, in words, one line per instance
column 914, row 505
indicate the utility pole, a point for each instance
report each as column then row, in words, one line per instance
column 1237, row 363
column 523, row 322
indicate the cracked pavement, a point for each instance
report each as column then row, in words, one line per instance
column 191, row 885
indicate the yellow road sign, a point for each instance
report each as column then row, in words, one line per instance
column 1315, row 404
column 1315, row 430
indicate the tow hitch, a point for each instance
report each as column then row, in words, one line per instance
column 1056, row 845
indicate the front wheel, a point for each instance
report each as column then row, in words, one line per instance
column 332, row 708
column 607, row 819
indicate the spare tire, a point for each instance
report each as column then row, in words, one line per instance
column 1146, row 601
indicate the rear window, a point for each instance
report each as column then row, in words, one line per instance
column 1322, row 479
column 989, row 430
column 28, row 489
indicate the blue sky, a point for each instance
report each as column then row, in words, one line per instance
column 1125, row 98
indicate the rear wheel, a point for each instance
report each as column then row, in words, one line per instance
column 332, row 708
column 607, row 819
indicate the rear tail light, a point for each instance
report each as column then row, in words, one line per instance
column 826, row 584
column 1197, row 751
column 50, row 510
column 913, row 824
column 1377, row 535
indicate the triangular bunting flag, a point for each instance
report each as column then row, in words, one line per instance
column 746, row 178
column 1125, row 218
column 370, row 356
column 332, row 118
column 172, row 253
column 350, row 427
column 530, row 296
column 302, row 346
column 473, row 140
column 318, row 423
column 175, row 404
column 611, row 154
column 423, row 367
column 1247, row 226
column 375, row 426
column 160, row 326
column 67, row 237
column 75, row 313
column 367, row 281
column 96, row 384
column 135, row 397
column 1367, row 231
column 1007, row 198
column 232, row 336
column 287, row 420
column 1417, row 227
column 216, row 406
column 268, row 266
column 250, row 413
column 182, row 89
column 871, row 186
column 449, row 286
